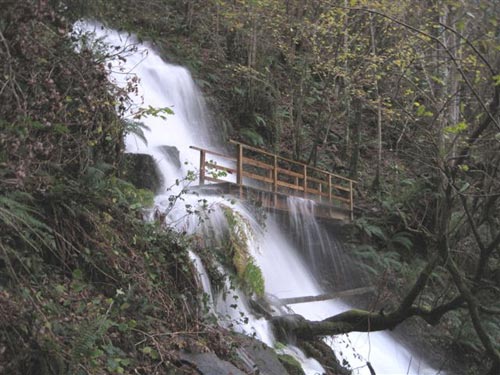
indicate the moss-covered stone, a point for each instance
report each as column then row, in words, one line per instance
column 140, row 170
column 291, row 364
column 249, row 274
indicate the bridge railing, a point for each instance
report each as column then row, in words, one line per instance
column 260, row 169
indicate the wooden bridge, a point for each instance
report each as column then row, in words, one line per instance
column 268, row 179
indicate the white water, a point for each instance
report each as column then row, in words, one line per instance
column 164, row 85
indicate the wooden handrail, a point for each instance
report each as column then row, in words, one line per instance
column 298, row 163
column 294, row 179
column 213, row 153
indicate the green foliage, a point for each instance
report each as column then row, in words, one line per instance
column 370, row 229
column 20, row 218
column 254, row 279
column 249, row 274
column 401, row 239
column 284, row 75
column 376, row 263
column 71, row 232
column 457, row 128
column 153, row 111
column 136, row 128
column 251, row 137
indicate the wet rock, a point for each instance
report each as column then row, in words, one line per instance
column 210, row 364
column 291, row 364
column 283, row 326
column 324, row 354
column 261, row 308
column 140, row 170
column 171, row 153
column 259, row 358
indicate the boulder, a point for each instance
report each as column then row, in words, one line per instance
column 140, row 170
column 209, row 364
column 171, row 153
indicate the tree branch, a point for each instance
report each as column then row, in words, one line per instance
column 491, row 116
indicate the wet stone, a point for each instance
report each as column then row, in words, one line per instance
column 210, row 364
column 140, row 170
column 171, row 153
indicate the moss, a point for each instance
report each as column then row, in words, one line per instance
column 248, row 273
column 254, row 279
column 291, row 364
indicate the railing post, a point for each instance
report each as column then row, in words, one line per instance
column 202, row 167
column 305, row 181
column 239, row 169
column 329, row 188
column 351, row 200
column 275, row 180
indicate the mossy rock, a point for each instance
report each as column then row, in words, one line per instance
column 324, row 354
column 141, row 171
column 291, row 364
column 249, row 274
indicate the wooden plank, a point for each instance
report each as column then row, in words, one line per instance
column 291, row 186
column 314, row 179
column 332, row 174
column 343, row 188
column 329, row 188
column 289, row 172
column 328, row 296
column 239, row 166
column 275, row 180
column 239, row 170
column 264, row 152
column 305, row 180
column 259, row 150
column 220, row 167
column 257, row 177
column 202, row 167
column 351, row 203
column 213, row 179
column 321, row 180
column 342, row 199
column 257, row 163
column 291, row 161
column 322, row 210
column 333, row 197
column 213, row 153
column 316, row 192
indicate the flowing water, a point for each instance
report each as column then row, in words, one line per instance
column 163, row 85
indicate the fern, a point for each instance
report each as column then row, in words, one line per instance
column 20, row 215
column 402, row 239
column 391, row 260
column 87, row 336
column 370, row 229
column 136, row 128
column 366, row 255
column 252, row 137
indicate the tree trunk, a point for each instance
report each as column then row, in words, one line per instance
column 355, row 126
column 376, row 181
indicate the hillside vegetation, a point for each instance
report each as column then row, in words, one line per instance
column 402, row 96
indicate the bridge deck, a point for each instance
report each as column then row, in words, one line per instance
column 268, row 179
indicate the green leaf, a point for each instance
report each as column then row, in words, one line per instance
column 402, row 239
column 457, row 128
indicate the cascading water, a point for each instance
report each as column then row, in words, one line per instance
column 163, row 85
column 287, row 276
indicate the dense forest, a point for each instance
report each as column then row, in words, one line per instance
column 403, row 97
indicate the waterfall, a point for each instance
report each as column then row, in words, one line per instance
column 285, row 273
